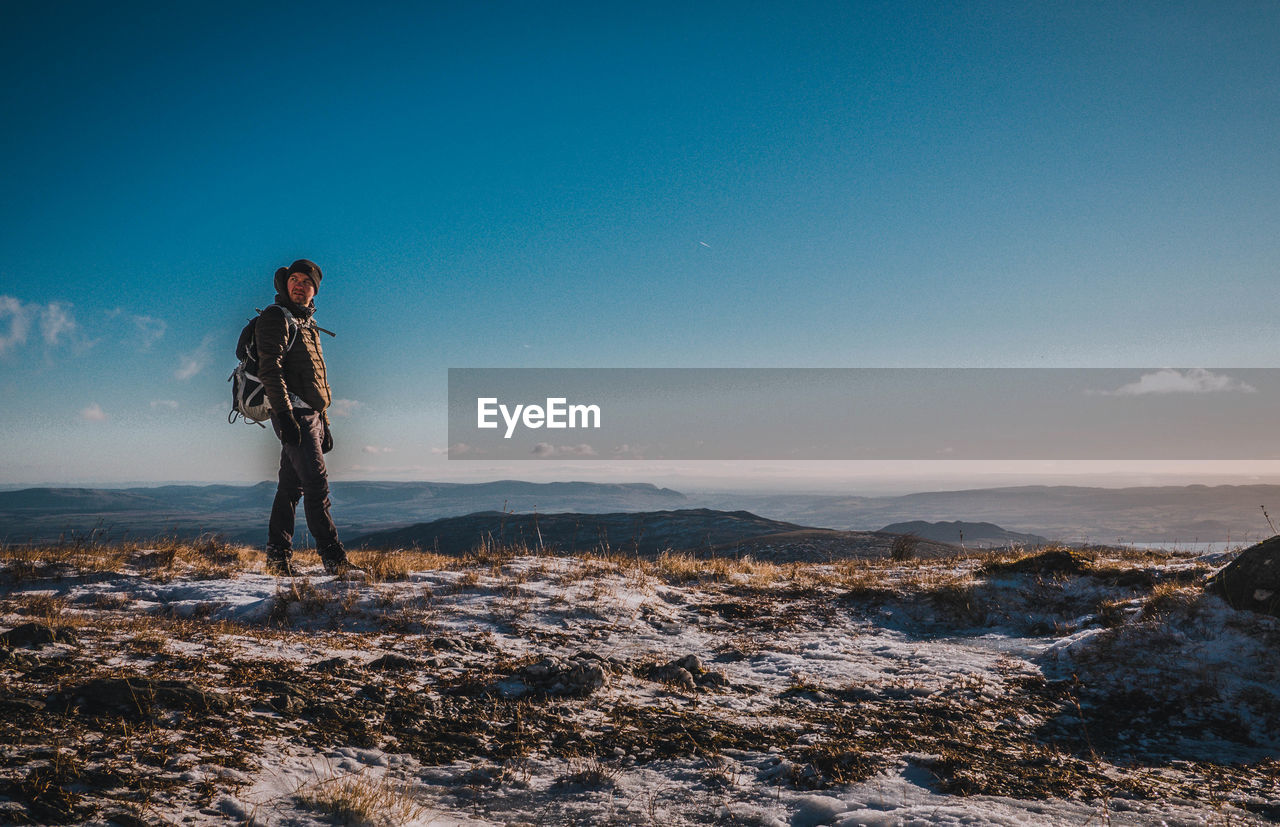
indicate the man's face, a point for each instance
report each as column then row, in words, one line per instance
column 301, row 289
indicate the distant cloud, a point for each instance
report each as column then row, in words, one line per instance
column 195, row 361
column 344, row 407
column 150, row 329
column 171, row 404
column 459, row 449
column 1168, row 380
column 18, row 319
column 546, row 449
column 375, row 449
column 54, row 321
column 93, row 413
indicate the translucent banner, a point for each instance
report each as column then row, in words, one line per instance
column 863, row 413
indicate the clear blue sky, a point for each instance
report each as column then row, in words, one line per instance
column 560, row 185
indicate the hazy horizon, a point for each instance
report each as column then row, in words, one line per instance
column 865, row 484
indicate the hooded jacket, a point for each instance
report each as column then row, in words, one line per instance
column 300, row 370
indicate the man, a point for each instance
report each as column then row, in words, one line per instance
column 291, row 367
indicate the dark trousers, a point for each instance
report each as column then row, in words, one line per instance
column 302, row 476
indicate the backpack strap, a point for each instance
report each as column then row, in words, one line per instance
column 291, row 325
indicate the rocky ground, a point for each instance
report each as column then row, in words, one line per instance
column 180, row 684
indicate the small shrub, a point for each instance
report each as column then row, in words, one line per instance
column 904, row 548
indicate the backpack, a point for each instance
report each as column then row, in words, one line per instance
column 248, row 397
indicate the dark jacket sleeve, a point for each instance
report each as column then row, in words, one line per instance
column 270, row 336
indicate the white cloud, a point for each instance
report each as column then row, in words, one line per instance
column 93, row 413
column 375, row 449
column 19, row 323
column 150, row 329
column 546, row 449
column 344, row 407
column 55, row 322
column 195, row 361
column 1168, row 380
column 171, row 404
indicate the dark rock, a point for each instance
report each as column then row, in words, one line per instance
column 676, row 675
column 394, row 662
column 1252, row 580
column 284, row 703
column 1056, row 561
column 12, row 705
column 330, row 665
column 35, row 635
column 17, row 660
column 691, row 663
column 731, row 656
column 135, row 697
column 554, row 677
column 717, row 680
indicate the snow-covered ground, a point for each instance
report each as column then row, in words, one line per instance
column 184, row 685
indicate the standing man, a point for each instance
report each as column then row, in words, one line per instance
column 291, row 367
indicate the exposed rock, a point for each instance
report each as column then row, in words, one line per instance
column 450, row 644
column 1252, row 580
column 282, row 696
column 690, row 663
column 717, row 680
column 35, row 635
column 15, row 705
column 394, row 662
column 135, row 697
column 676, row 675
column 553, row 676
column 17, row 660
column 1056, row 561
column 685, row 673
column 330, row 665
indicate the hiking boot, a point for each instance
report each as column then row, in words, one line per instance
column 335, row 560
column 278, row 562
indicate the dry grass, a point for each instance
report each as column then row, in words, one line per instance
column 206, row 557
column 299, row 597
column 360, row 799
column 678, row 567
column 1172, row 599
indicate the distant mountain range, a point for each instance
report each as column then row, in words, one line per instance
column 1065, row 513
column 239, row 512
column 1167, row 514
column 700, row 531
column 647, row 532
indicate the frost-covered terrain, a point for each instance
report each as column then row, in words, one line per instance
column 181, row 684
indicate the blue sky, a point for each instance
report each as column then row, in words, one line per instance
column 578, row 185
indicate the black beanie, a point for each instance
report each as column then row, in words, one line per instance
column 303, row 265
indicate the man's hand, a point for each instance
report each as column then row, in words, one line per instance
column 287, row 429
column 326, row 444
